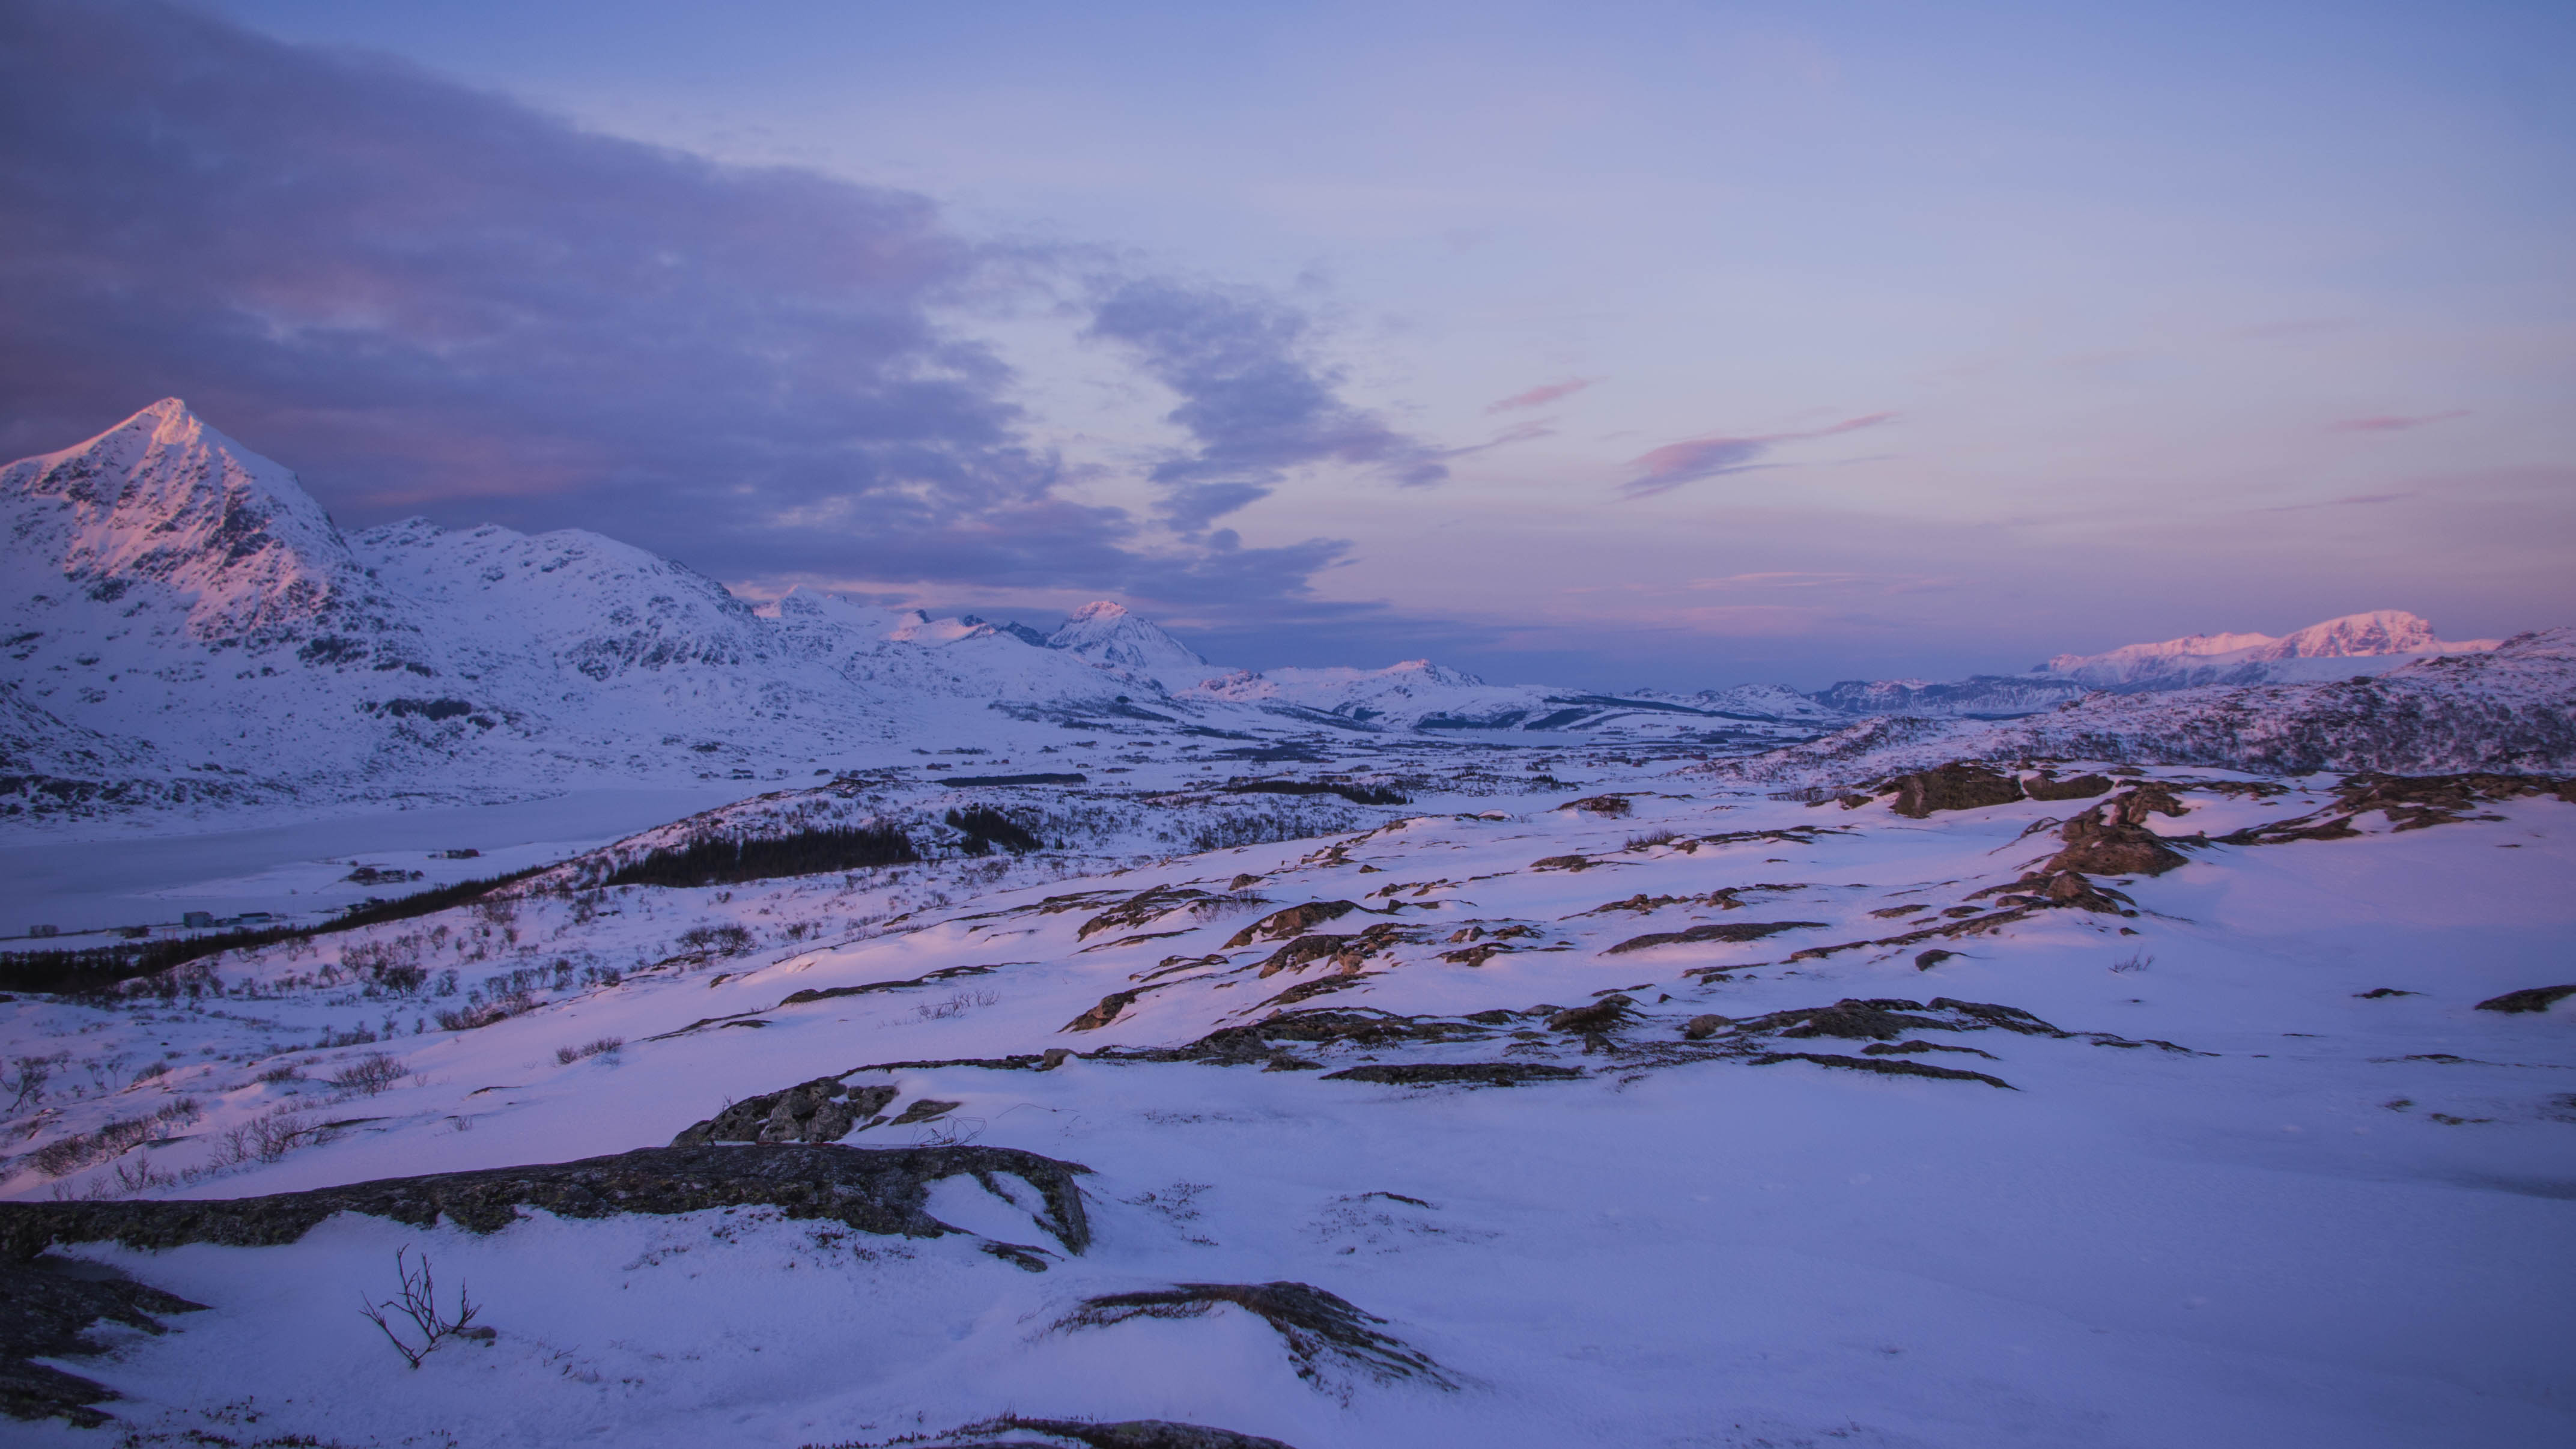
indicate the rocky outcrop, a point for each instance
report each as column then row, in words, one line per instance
column 2530, row 998
column 1294, row 921
column 47, row 1309
column 822, row 1110
column 1320, row 1329
column 1737, row 931
column 1012, row 1431
column 874, row 1190
column 1956, row 786
column 2112, row 837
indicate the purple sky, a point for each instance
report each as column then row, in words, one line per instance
column 1668, row 344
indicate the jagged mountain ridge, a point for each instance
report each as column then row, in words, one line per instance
column 184, row 624
column 187, row 614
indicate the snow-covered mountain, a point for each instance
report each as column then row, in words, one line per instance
column 2511, row 708
column 2371, row 643
column 185, row 603
column 1106, row 633
column 182, row 625
column 2354, row 645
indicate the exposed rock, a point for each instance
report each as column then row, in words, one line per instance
column 1916, row 1048
column 1012, row 1431
column 1956, row 786
column 2064, row 889
column 1138, row 909
column 1608, row 1013
column 1294, row 921
column 1319, row 1328
column 2381, row 993
column 829, row 993
column 1713, row 931
column 1473, row 1074
column 1562, row 862
column 1884, row 1065
column 874, row 1190
column 2530, row 998
column 1701, row 1028
column 1614, row 806
column 1262, row 1041
column 925, row 1109
column 1304, row 950
column 46, row 1310
column 822, row 1110
column 1104, row 1013
column 2108, row 840
column 2082, row 787
column 2410, row 802
column 1926, row 960
column 1881, row 1020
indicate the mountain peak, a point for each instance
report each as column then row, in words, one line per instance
column 1107, row 634
column 163, row 499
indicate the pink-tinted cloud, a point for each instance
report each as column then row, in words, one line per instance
column 1539, row 397
column 2392, row 423
column 1674, row 464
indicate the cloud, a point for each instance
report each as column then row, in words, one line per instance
column 1254, row 399
column 2392, row 424
column 1539, row 397
column 427, row 298
column 1674, row 464
column 2356, row 500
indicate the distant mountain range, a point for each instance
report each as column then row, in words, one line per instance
column 181, row 624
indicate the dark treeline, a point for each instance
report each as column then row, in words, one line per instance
column 1356, row 794
column 811, row 852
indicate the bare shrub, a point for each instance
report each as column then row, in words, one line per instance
column 1651, row 839
column 282, row 1073
column 2138, row 961
column 265, row 1138
column 66, row 1155
column 956, row 1005
column 475, row 1013
column 605, row 1046
column 417, row 1302
column 25, row 1082
column 370, row 1075
column 718, row 940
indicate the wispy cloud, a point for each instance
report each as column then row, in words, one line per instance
column 2356, row 500
column 1254, row 399
column 2392, row 423
column 1674, row 464
column 1541, row 396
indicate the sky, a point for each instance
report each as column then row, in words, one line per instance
column 1641, row 344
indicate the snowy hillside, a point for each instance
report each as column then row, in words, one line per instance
column 2180, row 1107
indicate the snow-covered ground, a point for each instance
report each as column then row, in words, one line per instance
column 2242, row 1164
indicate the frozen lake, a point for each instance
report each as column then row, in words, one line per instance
column 294, row 868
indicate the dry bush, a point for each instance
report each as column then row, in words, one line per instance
column 370, row 1075
column 417, row 1301
column 604, row 1047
